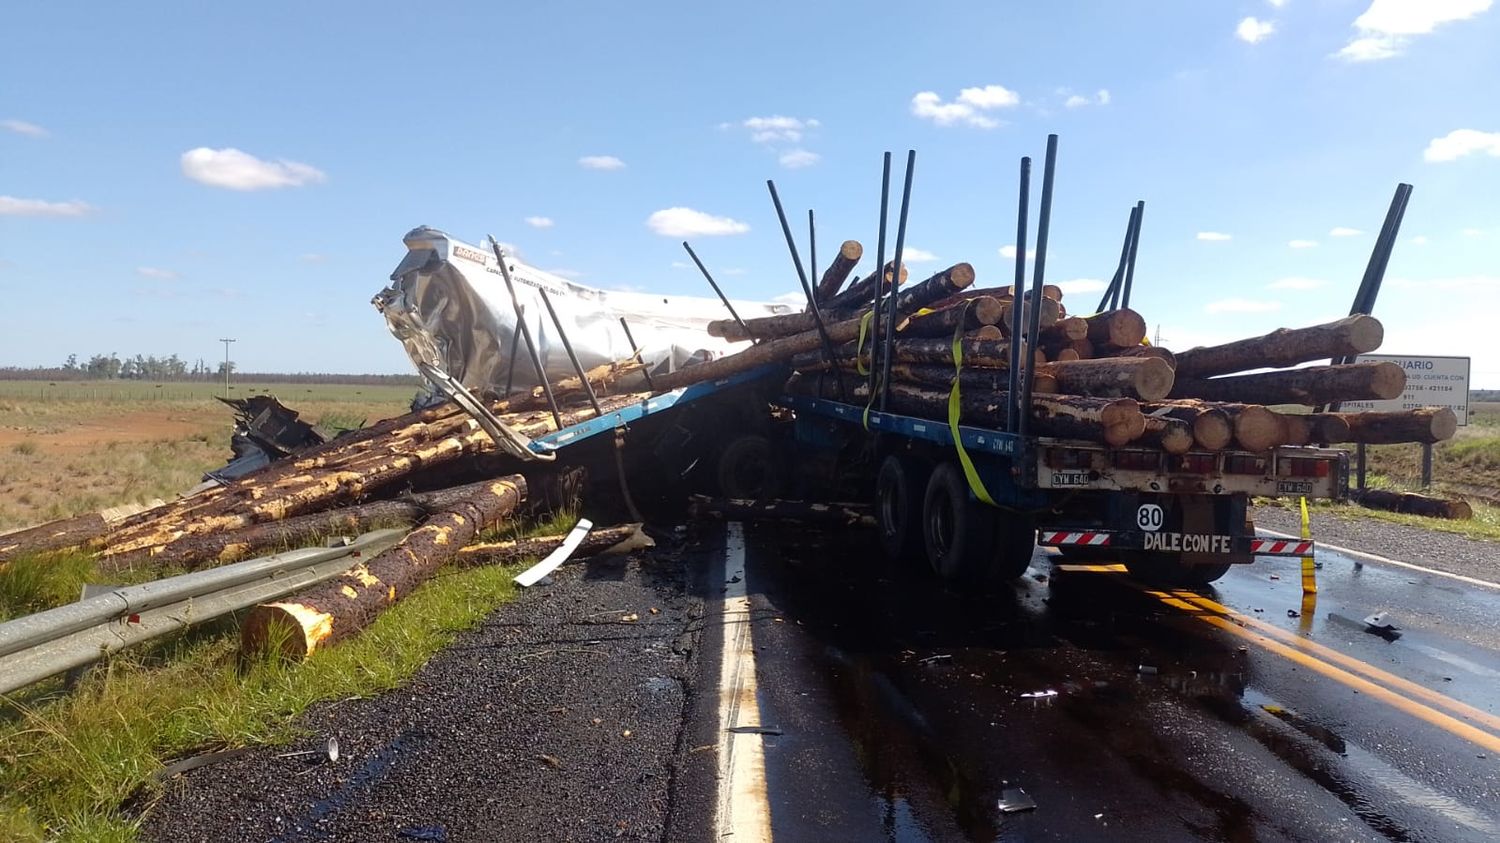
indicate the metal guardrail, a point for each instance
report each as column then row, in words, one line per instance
column 57, row 640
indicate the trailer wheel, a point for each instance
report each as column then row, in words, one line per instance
column 898, row 508
column 747, row 468
column 1015, row 543
column 959, row 532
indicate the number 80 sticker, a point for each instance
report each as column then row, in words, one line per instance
column 1149, row 517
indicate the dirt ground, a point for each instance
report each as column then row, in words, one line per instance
column 84, row 434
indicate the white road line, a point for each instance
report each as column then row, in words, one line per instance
column 744, row 811
column 1387, row 561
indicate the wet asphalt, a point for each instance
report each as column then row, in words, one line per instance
column 893, row 709
column 905, row 712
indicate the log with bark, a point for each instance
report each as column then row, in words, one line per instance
column 1051, row 314
column 809, row 513
column 1142, row 378
column 1414, row 504
column 1111, row 421
column 1065, row 330
column 838, row 271
column 1255, row 427
column 1424, row 424
column 1146, row 351
column 599, row 542
column 1116, row 329
column 769, row 351
column 329, row 612
column 1284, row 347
column 788, row 324
column 989, row 380
column 862, row 292
column 1212, row 428
column 1312, row 385
column 1171, row 435
column 970, row 313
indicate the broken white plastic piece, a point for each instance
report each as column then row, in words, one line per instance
column 531, row 576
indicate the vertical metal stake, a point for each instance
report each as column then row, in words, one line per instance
column 878, row 332
column 812, row 300
column 636, row 353
column 1135, row 242
column 1013, row 409
column 890, row 325
column 1426, row 464
column 536, row 359
column 723, row 298
column 515, row 349
column 1359, row 466
column 1038, row 275
column 583, row 377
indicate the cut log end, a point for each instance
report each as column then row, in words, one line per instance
column 289, row 631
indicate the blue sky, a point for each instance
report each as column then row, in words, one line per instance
column 127, row 225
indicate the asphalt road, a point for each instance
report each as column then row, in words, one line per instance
column 1218, row 715
column 753, row 683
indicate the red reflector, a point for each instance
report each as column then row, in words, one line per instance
column 1068, row 458
column 1193, row 463
column 1305, row 467
column 1244, row 464
column 1138, row 460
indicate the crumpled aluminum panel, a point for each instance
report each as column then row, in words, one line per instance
column 448, row 305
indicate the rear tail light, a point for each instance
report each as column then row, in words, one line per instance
column 1138, row 460
column 1192, row 464
column 1304, row 467
column 1244, row 464
column 1068, row 458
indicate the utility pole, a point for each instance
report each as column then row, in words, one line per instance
column 226, row 364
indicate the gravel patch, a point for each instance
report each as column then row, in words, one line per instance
column 557, row 719
column 1442, row 551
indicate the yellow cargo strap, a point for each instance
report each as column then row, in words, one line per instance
column 1309, row 567
column 859, row 348
column 954, row 404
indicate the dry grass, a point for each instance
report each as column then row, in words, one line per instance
column 80, row 447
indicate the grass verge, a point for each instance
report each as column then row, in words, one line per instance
column 67, row 763
column 1485, row 525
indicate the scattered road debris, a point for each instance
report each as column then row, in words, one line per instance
column 1014, row 800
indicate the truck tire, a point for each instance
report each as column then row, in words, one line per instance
column 898, row 508
column 747, row 468
column 1015, row 543
column 957, row 531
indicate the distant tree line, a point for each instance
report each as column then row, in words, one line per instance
column 174, row 368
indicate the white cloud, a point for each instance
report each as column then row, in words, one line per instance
column 156, row 273
column 1451, row 283
column 11, row 206
column 601, row 162
column 681, row 265
column 1214, row 236
column 1387, row 26
column 1420, row 240
column 1076, row 101
column 21, row 127
column 686, row 222
column 539, row 222
column 1009, row 252
column 1102, row 97
column 798, row 298
column 966, row 109
column 911, row 254
column 990, row 96
column 1296, row 283
column 777, row 128
column 1473, row 232
column 1242, row 306
column 232, row 169
column 798, row 158
column 1344, row 231
column 1082, row 285
column 1461, row 142
column 1278, row 3
column 1253, row 30
column 1302, row 244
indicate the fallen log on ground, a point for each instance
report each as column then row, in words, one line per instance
column 1312, row 385
column 1414, row 504
column 332, row 611
column 607, row 540
column 1284, row 347
column 838, row 271
column 1424, row 424
column 793, row 512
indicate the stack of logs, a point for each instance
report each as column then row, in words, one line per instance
column 354, row 483
column 1095, row 378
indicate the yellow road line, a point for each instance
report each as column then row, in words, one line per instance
column 1093, row 569
column 1464, row 710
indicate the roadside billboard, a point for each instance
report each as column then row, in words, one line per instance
column 1430, row 382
